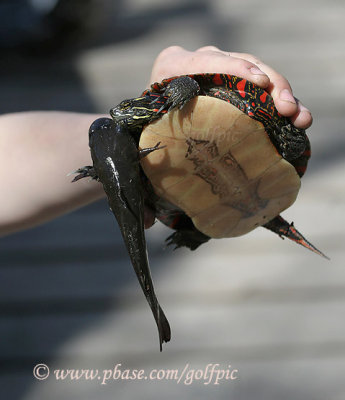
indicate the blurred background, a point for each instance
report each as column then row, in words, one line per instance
column 267, row 307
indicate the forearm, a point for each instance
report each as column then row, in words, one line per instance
column 38, row 150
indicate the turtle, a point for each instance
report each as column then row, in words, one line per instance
column 211, row 156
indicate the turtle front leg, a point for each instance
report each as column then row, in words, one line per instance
column 116, row 163
column 178, row 92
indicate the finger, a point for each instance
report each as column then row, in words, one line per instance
column 302, row 118
column 221, row 61
column 279, row 87
column 206, row 60
column 210, row 48
column 211, row 59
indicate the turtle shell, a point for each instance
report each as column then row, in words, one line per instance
column 219, row 166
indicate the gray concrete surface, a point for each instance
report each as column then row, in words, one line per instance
column 269, row 308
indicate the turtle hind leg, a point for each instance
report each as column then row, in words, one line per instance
column 190, row 238
column 84, row 172
column 283, row 228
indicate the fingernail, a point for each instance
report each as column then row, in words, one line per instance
column 286, row 95
column 256, row 71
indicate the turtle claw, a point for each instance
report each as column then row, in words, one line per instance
column 186, row 238
column 144, row 152
column 160, row 99
column 84, row 172
column 161, row 109
column 156, row 99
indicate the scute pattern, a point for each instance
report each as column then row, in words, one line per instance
column 219, row 166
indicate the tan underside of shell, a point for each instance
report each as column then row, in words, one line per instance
column 219, row 166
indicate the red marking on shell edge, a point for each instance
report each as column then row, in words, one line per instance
column 240, row 86
column 263, row 97
column 261, row 111
column 251, row 114
column 217, row 80
column 166, row 81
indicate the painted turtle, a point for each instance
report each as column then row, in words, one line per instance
column 209, row 154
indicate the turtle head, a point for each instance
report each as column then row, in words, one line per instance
column 135, row 113
column 122, row 111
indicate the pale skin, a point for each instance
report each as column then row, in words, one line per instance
column 38, row 149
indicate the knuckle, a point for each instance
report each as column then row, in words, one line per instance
column 256, row 61
column 208, row 48
column 170, row 49
column 166, row 53
column 250, row 58
column 163, row 57
column 243, row 62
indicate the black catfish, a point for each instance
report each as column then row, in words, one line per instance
column 116, row 157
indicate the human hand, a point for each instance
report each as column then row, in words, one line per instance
column 176, row 60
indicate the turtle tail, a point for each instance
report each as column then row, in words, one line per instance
column 283, row 228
